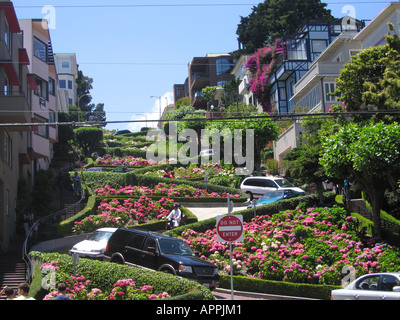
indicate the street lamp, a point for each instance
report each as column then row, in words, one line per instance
column 159, row 100
column 79, row 109
column 141, row 114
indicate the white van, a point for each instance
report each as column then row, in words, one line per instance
column 95, row 245
column 256, row 187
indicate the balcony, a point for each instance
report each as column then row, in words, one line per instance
column 244, row 85
column 14, row 108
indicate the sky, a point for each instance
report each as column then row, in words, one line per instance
column 136, row 51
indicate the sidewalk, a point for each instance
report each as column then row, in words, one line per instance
column 204, row 213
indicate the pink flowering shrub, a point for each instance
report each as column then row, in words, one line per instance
column 162, row 189
column 80, row 288
column 119, row 213
column 126, row 290
column 304, row 247
column 262, row 65
column 124, row 161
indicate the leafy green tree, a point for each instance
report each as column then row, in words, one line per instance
column 264, row 129
column 372, row 79
column 369, row 155
column 273, row 19
column 88, row 139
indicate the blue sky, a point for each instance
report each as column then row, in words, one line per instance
column 137, row 49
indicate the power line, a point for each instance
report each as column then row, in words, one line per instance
column 295, row 116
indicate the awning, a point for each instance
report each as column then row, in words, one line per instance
column 11, row 16
column 11, row 73
column 23, row 56
column 31, row 81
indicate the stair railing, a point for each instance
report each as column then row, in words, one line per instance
column 35, row 225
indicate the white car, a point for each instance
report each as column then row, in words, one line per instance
column 95, row 245
column 256, row 187
column 207, row 152
column 374, row 286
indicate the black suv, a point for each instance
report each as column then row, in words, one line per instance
column 160, row 252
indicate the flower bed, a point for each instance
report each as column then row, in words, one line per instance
column 162, row 189
column 120, row 213
column 80, row 288
column 300, row 246
column 124, row 161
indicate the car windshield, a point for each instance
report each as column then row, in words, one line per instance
column 100, row 236
column 283, row 183
column 177, row 247
column 273, row 194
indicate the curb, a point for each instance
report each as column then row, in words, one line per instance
column 265, row 296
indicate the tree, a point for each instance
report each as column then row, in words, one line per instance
column 370, row 155
column 88, row 139
column 273, row 19
column 264, row 129
column 372, row 79
column 88, row 111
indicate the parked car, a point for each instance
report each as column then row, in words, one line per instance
column 95, row 169
column 119, row 132
column 160, row 252
column 95, row 245
column 207, row 152
column 121, row 169
column 256, row 187
column 374, row 286
column 276, row 195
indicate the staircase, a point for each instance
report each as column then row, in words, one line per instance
column 12, row 266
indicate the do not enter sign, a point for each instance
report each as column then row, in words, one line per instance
column 230, row 228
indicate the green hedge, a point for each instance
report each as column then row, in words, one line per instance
column 103, row 275
column 303, row 290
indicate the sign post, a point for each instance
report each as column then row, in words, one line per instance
column 230, row 229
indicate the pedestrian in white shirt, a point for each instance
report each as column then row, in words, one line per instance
column 175, row 215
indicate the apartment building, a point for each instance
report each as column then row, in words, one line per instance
column 16, row 158
column 67, row 71
column 37, row 41
column 211, row 70
column 314, row 88
column 297, row 53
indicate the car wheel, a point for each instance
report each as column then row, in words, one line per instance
column 117, row 260
column 167, row 270
column 250, row 195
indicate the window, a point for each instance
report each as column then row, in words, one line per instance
column 6, row 88
column 224, row 65
column 40, row 49
column 388, row 282
column 318, row 45
column 282, row 93
column 69, row 84
column 329, row 89
column 42, row 88
column 136, row 242
column 52, row 86
column 354, row 52
column 7, row 35
column 368, row 283
column 63, row 84
column 65, row 64
column 42, row 131
column 6, row 151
